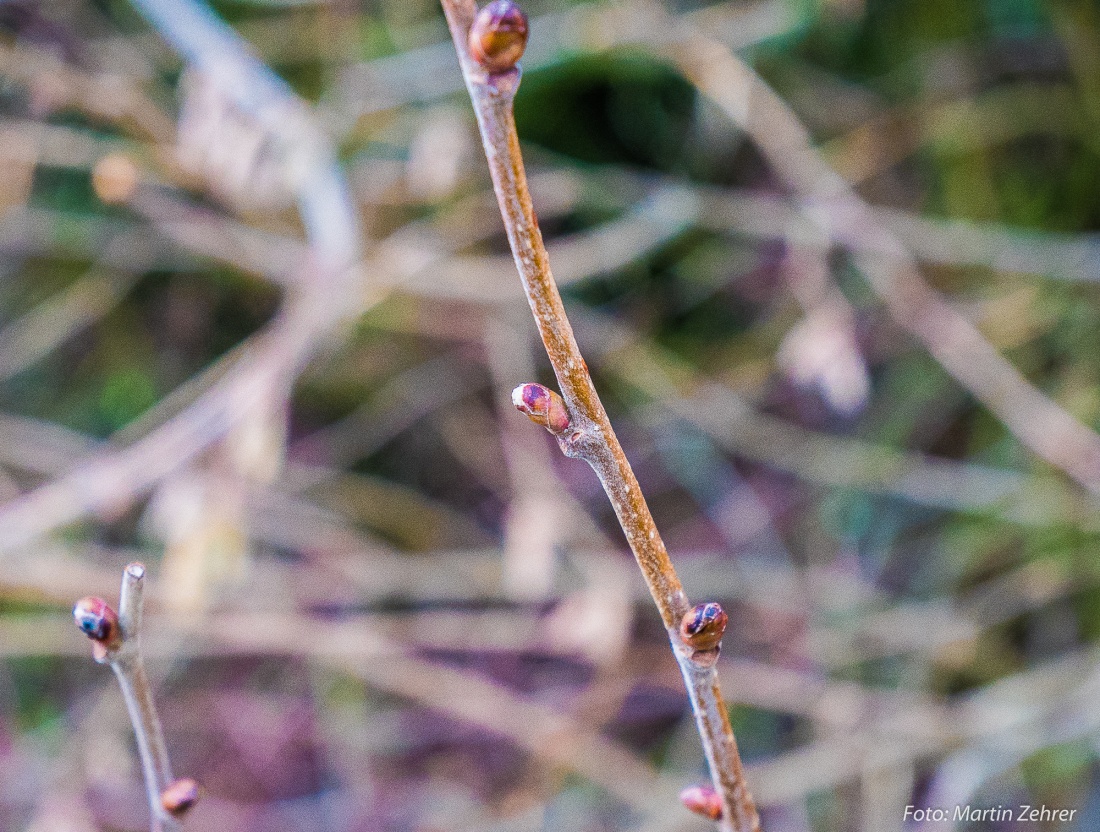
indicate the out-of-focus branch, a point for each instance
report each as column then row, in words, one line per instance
column 326, row 296
column 106, row 96
column 921, row 478
column 828, row 201
column 213, row 48
column 49, row 324
column 488, row 57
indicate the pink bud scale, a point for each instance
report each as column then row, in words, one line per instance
column 703, row 800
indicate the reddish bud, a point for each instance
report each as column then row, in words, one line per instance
column 97, row 621
column 179, row 796
column 703, row 800
column 543, row 407
column 703, row 625
column 498, row 36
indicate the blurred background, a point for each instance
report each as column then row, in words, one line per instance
column 833, row 265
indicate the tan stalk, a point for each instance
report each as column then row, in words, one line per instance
column 589, row 434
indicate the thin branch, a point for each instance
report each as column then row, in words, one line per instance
column 586, row 432
column 117, row 642
column 129, row 669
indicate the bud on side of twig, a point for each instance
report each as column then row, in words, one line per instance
column 703, row 800
column 99, row 622
column 179, row 796
column 543, row 407
column 702, row 626
column 498, row 36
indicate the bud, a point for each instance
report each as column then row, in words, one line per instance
column 498, row 36
column 98, row 621
column 543, row 407
column 115, row 178
column 179, row 796
column 703, row 800
column 703, row 625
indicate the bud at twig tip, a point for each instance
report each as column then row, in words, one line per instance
column 543, row 407
column 498, row 36
column 703, row 800
column 702, row 626
column 180, row 795
column 97, row 620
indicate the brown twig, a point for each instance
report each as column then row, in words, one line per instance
column 117, row 642
column 587, row 433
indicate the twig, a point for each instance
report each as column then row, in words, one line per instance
column 117, row 642
column 585, row 431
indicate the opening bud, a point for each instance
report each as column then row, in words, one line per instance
column 498, row 36
column 97, row 621
column 702, row 626
column 179, row 796
column 703, row 800
column 543, row 407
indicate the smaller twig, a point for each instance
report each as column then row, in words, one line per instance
column 116, row 641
